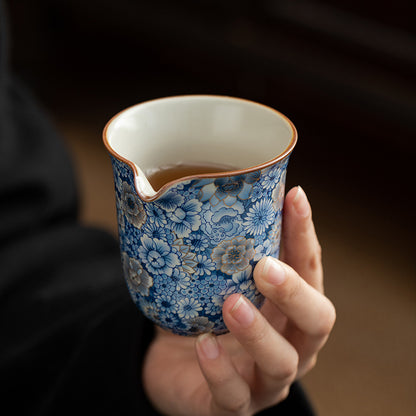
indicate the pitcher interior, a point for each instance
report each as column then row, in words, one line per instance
column 200, row 129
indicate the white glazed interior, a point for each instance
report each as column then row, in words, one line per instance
column 198, row 129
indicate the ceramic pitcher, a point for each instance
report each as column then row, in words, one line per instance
column 196, row 240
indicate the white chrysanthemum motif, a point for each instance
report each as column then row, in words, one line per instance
column 166, row 304
column 188, row 308
column 271, row 177
column 204, row 265
column 259, row 217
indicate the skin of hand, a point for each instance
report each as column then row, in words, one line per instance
column 252, row 367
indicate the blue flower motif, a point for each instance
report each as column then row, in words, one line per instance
column 243, row 281
column 197, row 242
column 172, row 285
column 169, row 321
column 188, row 308
column 218, row 300
column 211, row 308
column 157, row 255
column 161, row 233
column 257, row 192
column 212, row 285
column 226, row 190
column 188, row 292
column 263, row 250
column 131, row 241
column 166, row 304
column 255, row 297
column 185, row 219
column 156, row 215
column 204, row 265
column 179, row 279
column 170, row 200
column 252, row 177
column 199, row 183
column 163, row 285
column 121, row 168
column 189, row 191
column 259, row 217
column 221, row 222
column 215, row 302
column 272, row 177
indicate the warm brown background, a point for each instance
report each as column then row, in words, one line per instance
column 341, row 71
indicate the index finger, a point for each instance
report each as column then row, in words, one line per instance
column 300, row 245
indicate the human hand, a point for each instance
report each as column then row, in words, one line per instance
column 253, row 366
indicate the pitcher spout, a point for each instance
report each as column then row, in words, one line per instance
column 143, row 186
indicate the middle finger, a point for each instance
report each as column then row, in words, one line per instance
column 307, row 308
column 276, row 359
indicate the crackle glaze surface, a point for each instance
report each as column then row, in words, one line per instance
column 197, row 243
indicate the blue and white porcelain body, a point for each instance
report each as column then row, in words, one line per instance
column 196, row 241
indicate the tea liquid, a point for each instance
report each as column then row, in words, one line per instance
column 165, row 174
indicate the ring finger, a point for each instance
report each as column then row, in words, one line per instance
column 305, row 307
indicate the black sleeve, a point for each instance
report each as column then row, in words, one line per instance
column 71, row 339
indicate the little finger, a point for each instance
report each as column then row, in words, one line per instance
column 230, row 392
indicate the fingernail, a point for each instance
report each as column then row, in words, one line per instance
column 242, row 312
column 301, row 204
column 209, row 346
column 274, row 272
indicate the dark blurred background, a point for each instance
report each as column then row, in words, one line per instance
column 342, row 71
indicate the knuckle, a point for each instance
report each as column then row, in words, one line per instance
column 291, row 369
column 327, row 321
column 238, row 406
column 282, row 371
column 310, row 365
column 315, row 260
column 287, row 369
column 218, row 380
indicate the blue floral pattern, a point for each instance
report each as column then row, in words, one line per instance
column 184, row 253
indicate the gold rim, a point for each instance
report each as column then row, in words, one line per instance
column 168, row 185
